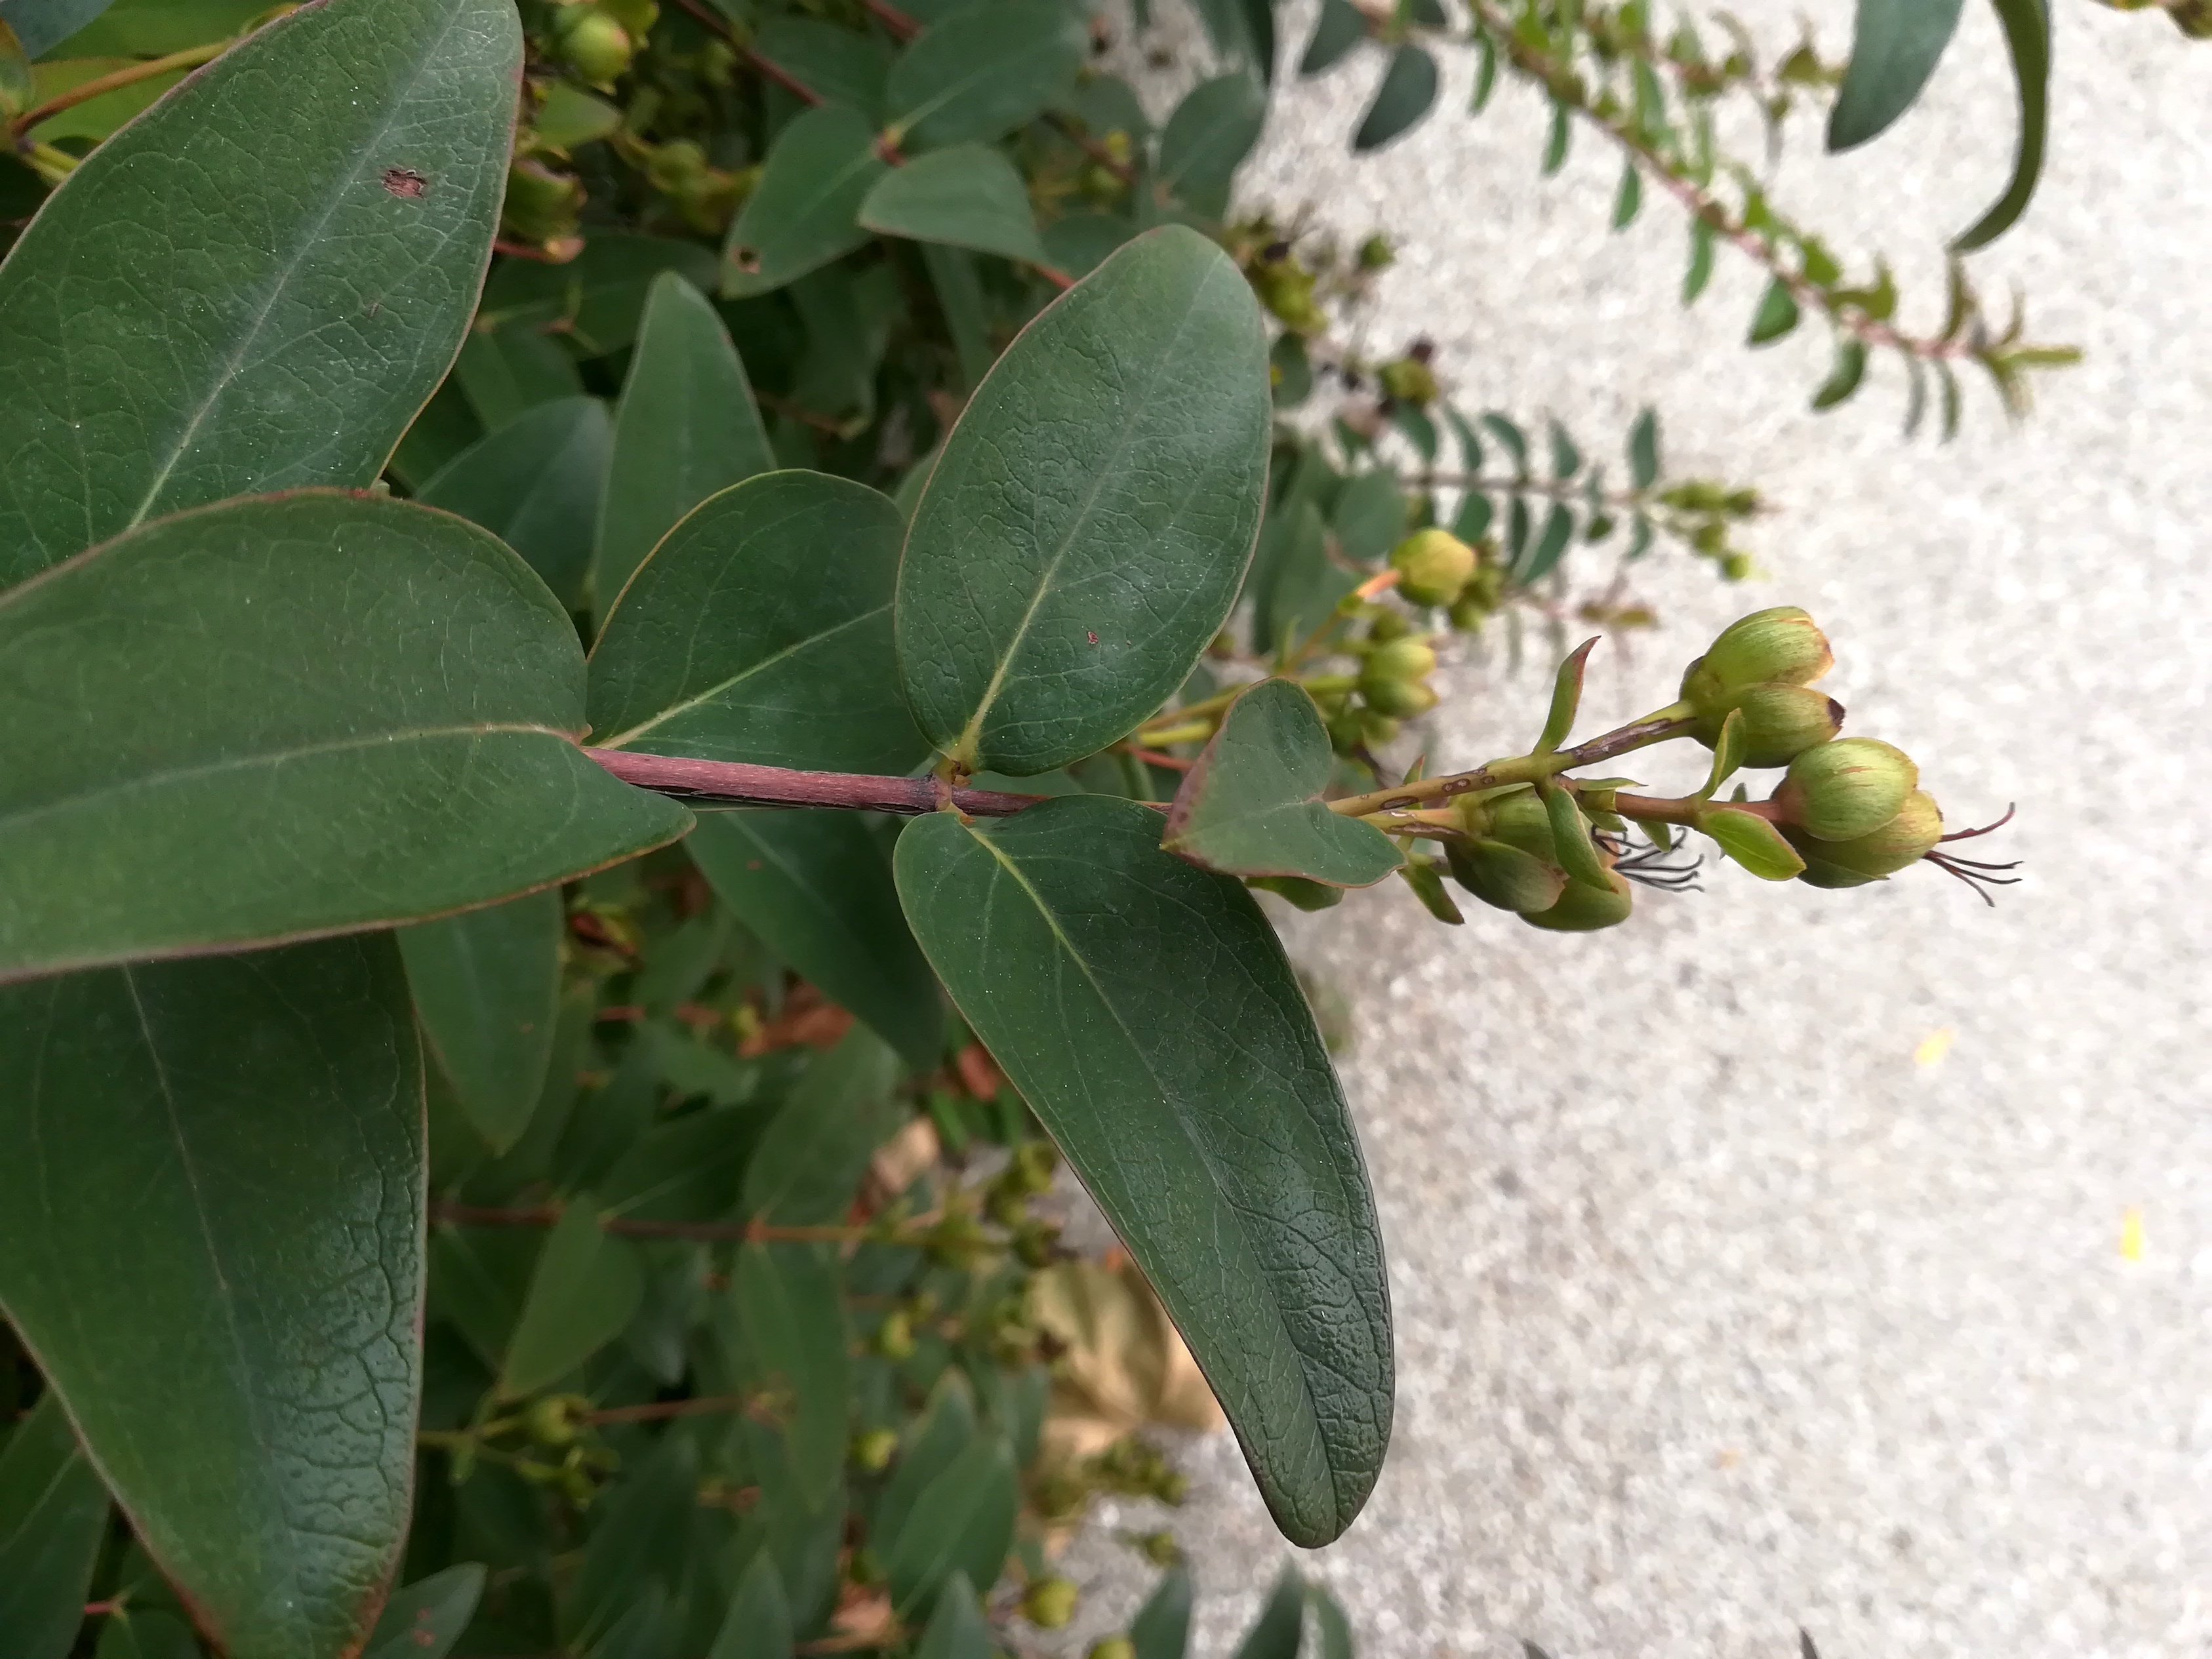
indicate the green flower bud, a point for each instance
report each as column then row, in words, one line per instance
column 1113, row 1647
column 541, row 203
column 1780, row 722
column 1468, row 613
column 1519, row 820
column 1409, row 380
column 1378, row 728
column 1506, row 877
column 872, row 1451
column 1400, row 660
column 1433, row 566
column 895, row 1336
column 1582, row 909
column 1051, row 1603
column 1398, row 699
column 1882, row 851
column 1779, row 646
column 1840, row 791
column 594, row 45
column 556, row 1420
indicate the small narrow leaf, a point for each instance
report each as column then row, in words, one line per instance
column 585, row 1289
column 957, row 1630
column 1544, row 557
column 1092, row 962
column 1212, row 132
column 808, row 1163
column 1628, row 196
column 788, row 1304
column 1339, row 26
column 485, row 984
column 425, row 1619
column 761, row 630
column 2027, row 39
column 758, row 1624
column 1571, row 835
column 1700, row 269
column 687, row 428
column 968, row 196
column 1252, row 804
column 1895, row 45
column 535, row 483
column 1644, row 450
column 1280, row 1629
column 236, row 1338
column 1753, row 842
column 1843, row 379
column 1486, row 73
column 1334, row 1628
column 1408, row 91
column 1514, row 441
column 53, row 1514
column 186, row 321
column 1728, row 755
column 1566, row 698
column 1566, row 459
column 805, row 211
column 985, row 70
column 1776, row 314
column 336, row 711
column 1088, row 523
column 969, row 1511
column 1161, row 1629
column 1555, row 140
column 1426, row 877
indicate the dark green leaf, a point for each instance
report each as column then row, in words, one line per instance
column 151, row 1634
column 1544, row 556
column 1895, row 45
column 1843, row 378
column 586, row 1287
column 1700, row 269
column 1212, row 132
column 816, row 888
column 1407, row 90
column 968, row 196
column 1300, row 586
column 1644, row 450
column 1556, row 138
column 787, row 1305
column 639, row 1536
column 535, row 484
column 425, row 1619
column 1093, row 965
column 957, row 1630
column 1339, row 27
column 1369, row 518
column 1252, row 804
column 758, row 1624
column 963, row 1525
column 1079, row 244
column 507, row 372
column 840, row 65
column 741, row 640
column 1107, row 104
column 1088, row 524
column 485, row 984
column 1276, row 1632
column 1161, row 1629
column 1753, row 842
column 596, row 301
column 1514, row 441
column 805, row 211
column 1291, row 370
column 42, row 25
column 1566, row 459
column 1413, row 421
column 1566, row 699
column 1486, row 73
column 2027, row 39
column 211, row 1239
column 186, row 321
column 336, row 711
column 1628, row 196
column 984, row 70
column 809, row 1163
column 1776, row 314
column 1639, row 543
column 53, row 1514
column 687, row 428
column 688, row 1169
column 960, row 297
column 146, row 28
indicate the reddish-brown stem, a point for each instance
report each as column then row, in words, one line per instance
column 737, row 783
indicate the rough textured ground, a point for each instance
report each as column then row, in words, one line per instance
column 1718, row 1312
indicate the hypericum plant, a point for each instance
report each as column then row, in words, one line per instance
column 865, row 436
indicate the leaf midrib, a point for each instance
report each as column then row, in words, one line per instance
column 1198, row 1146
column 739, row 678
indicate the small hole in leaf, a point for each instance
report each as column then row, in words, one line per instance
column 746, row 260
column 405, row 182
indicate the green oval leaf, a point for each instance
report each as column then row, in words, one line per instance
column 425, row 1619
column 811, row 1159
column 1407, row 92
column 758, row 1624
column 986, row 70
column 1776, row 314
column 1252, row 804
column 184, row 321
column 333, row 711
column 236, row 1342
column 817, row 887
column 965, row 1526
column 1281, row 1628
column 53, row 1514
column 1895, row 45
column 1161, row 1629
column 1212, row 132
column 2027, row 41
column 535, row 483
column 969, row 197
column 687, row 428
column 1087, row 525
column 1339, row 26
column 760, row 630
column 486, row 984
column 789, row 1306
column 584, row 1290
column 1097, row 969
column 805, row 211
column 839, row 65
column 1753, row 842
column 1843, row 378
column 957, row 1630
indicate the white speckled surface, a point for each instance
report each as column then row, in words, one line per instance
column 1717, row 1314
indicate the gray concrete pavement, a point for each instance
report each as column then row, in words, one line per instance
column 1719, row 1311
